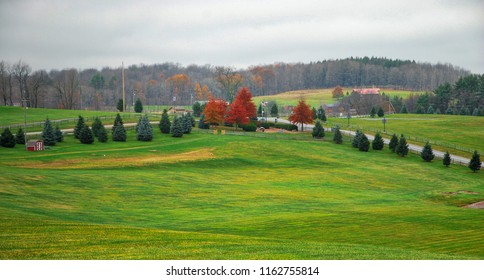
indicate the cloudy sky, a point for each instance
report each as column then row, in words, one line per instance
column 50, row 34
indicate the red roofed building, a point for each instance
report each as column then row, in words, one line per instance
column 367, row 91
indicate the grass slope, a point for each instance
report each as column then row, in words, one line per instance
column 459, row 134
column 234, row 197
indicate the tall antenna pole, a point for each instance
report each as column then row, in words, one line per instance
column 122, row 74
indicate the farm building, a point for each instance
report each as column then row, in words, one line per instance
column 35, row 145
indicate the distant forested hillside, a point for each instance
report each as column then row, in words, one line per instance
column 159, row 83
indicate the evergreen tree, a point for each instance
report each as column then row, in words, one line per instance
column 380, row 112
column 144, row 129
column 438, row 112
column 318, row 130
column 117, row 122
column 274, row 110
column 176, row 128
column 20, row 137
column 393, row 143
column 79, row 126
column 420, row 110
column 7, row 139
column 463, row 111
column 449, row 111
column 427, row 154
column 259, row 111
column 337, row 137
column 59, row 135
column 475, row 112
column 202, row 124
column 356, row 140
column 138, row 106
column 475, row 162
column 430, row 110
column 102, row 135
column 378, row 142
column 363, row 143
column 48, row 134
column 402, row 147
column 165, row 123
column 119, row 105
column 446, row 161
column 373, row 112
column 186, row 123
column 315, row 113
column 96, row 126
column 119, row 133
column 404, row 110
column 322, row 114
column 467, row 111
column 192, row 120
column 197, row 109
column 86, row 136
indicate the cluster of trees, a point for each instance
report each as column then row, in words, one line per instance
column 8, row 140
column 464, row 97
column 179, row 126
column 170, row 83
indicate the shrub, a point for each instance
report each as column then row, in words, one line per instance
column 7, row 139
column 202, row 124
column 372, row 112
column 380, row 112
column 249, row 127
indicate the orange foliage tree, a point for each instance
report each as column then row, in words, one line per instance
column 301, row 114
column 237, row 114
column 214, row 111
column 245, row 97
column 338, row 92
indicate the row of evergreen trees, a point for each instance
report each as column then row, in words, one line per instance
column 8, row 140
column 179, row 126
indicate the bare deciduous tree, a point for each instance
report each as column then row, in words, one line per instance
column 229, row 81
column 66, row 83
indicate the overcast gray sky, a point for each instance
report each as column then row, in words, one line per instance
column 50, row 34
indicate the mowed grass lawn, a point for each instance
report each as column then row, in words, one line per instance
column 207, row 196
column 449, row 132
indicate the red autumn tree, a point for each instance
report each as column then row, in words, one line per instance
column 244, row 96
column 301, row 114
column 237, row 113
column 215, row 111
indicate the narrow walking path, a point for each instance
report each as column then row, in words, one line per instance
column 415, row 148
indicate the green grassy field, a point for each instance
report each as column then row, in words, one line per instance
column 209, row 196
column 458, row 134
column 317, row 97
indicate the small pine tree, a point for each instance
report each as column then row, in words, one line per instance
column 315, row 113
column 446, row 160
column 165, row 123
column 373, row 112
column 48, row 134
column 427, row 154
column 322, row 114
column 144, row 130
column 202, row 124
column 475, row 112
column 197, row 109
column 86, row 136
column 259, row 110
column 119, row 105
column 463, row 111
column 186, row 123
column 318, row 130
column 404, row 110
column 80, row 124
column 438, row 112
column 117, row 122
column 449, row 111
column 274, row 110
column 402, row 147
column 363, row 143
column 102, row 135
column 176, row 128
column 393, row 143
column 20, row 137
column 96, row 126
column 378, row 142
column 380, row 112
column 59, row 135
column 430, row 110
column 337, row 137
column 192, row 120
column 420, row 110
column 138, row 106
column 475, row 162
column 356, row 140
column 7, row 139
column 119, row 133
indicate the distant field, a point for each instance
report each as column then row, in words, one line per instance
column 317, row 97
column 466, row 133
column 207, row 196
